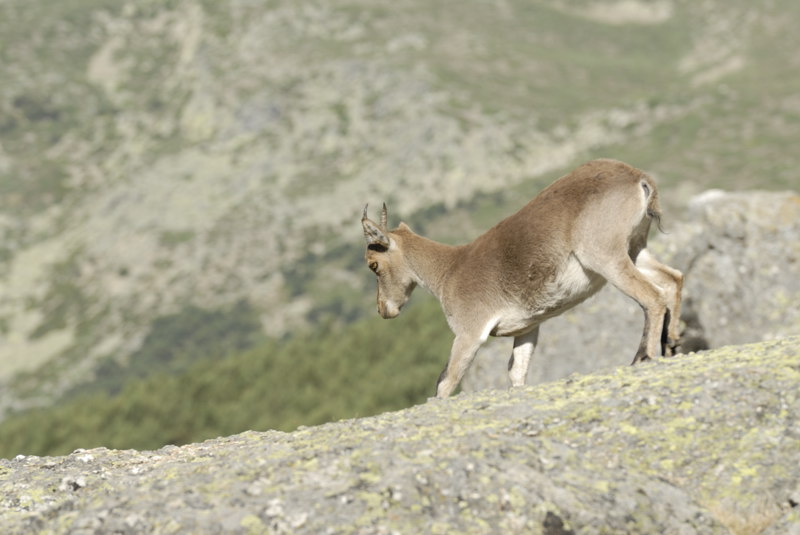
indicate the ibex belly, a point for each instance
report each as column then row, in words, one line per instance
column 571, row 286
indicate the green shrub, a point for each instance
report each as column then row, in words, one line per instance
column 316, row 376
column 176, row 341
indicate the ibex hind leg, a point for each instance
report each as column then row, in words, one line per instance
column 670, row 282
column 524, row 346
column 624, row 275
column 667, row 345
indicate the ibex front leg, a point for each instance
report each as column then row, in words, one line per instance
column 461, row 355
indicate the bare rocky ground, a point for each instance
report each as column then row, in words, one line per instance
column 701, row 443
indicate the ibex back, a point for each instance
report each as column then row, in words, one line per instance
column 586, row 228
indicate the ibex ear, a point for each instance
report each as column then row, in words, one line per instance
column 374, row 234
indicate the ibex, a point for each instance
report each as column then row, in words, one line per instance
column 586, row 228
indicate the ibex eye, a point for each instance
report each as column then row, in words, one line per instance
column 373, row 266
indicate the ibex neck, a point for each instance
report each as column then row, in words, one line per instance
column 429, row 260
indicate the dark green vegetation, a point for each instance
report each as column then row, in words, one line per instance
column 304, row 380
column 176, row 342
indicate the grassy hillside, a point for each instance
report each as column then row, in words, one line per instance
column 160, row 156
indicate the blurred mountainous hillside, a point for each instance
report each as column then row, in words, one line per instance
column 169, row 159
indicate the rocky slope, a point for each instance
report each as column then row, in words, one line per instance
column 702, row 443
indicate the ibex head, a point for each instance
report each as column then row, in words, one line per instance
column 385, row 258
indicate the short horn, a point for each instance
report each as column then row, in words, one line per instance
column 364, row 215
column 384, row 217
column 374, row 234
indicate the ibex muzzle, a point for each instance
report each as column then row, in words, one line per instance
column 586, row 228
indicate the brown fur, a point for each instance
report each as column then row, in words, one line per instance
column 586, row 228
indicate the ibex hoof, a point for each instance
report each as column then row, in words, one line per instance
column 672, row 347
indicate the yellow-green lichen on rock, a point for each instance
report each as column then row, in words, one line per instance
column 700, row 443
